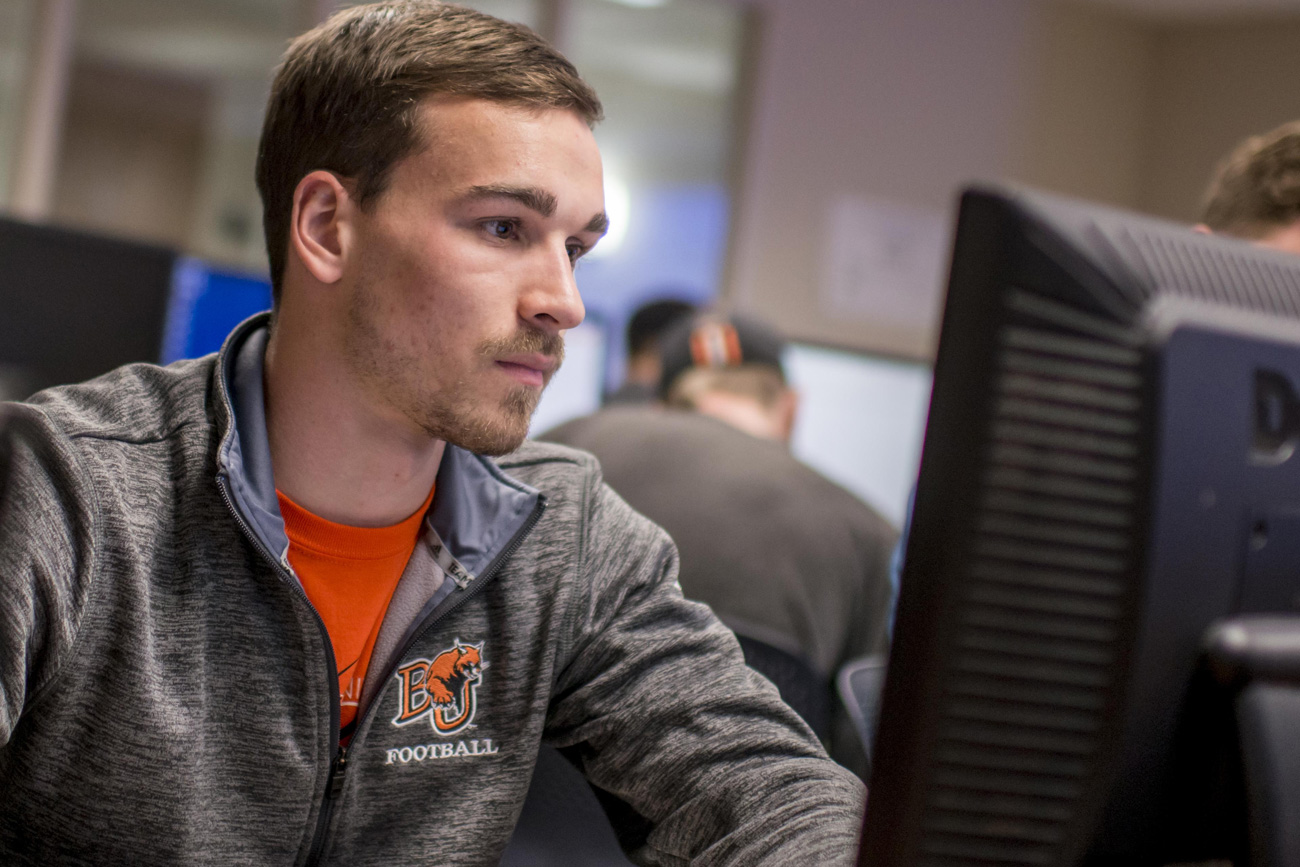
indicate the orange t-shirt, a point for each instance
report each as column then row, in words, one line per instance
column 349, row 574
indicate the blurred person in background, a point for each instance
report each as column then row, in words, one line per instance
column 281, row 605
column 780, row 553
column 644, row 367
column 1255, row 191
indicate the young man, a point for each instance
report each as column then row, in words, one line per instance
column 1255, row 191
column 277, row 607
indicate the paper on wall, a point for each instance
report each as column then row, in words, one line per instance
column 885, row 262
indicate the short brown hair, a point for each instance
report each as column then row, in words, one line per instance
column 345, row 95
column 1256, row 189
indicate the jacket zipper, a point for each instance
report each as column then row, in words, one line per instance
column 339, row 768
column 484, row 576
column 281, row 567
column 340, row 757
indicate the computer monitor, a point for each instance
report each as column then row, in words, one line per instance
column 1108, row 470
column 206, row 304
column 74, row 305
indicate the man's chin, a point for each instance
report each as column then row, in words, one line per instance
column 493, row 448
column 502, row 433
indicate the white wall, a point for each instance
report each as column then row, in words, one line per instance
column 132, row 144
column 864, row 110
column 1089, row 122
column 228, row 220
column 1212, row 86
column 896, row 100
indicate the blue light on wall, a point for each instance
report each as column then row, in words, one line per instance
column 675, row 245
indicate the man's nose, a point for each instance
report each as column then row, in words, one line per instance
column 551, row 301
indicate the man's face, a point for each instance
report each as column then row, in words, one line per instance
column 462, row 285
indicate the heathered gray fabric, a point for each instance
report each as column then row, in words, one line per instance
column 245, row 453
column 165, row 695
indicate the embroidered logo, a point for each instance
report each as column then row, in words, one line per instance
column 445, row 689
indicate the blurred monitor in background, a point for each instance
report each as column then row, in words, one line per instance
column 75, row 305
column 644, row 329
column 861, row 421
column 206, row 305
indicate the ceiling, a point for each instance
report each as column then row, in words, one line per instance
column 244, row 38
column 1198, row 10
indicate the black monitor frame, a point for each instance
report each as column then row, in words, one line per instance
column 1098, row 489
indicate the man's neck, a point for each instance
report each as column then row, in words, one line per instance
column 644, row 369
column 742, row 413
column 332, row 452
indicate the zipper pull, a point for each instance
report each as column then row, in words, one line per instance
column 336, row 775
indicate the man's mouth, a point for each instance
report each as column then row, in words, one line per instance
column 532, row 369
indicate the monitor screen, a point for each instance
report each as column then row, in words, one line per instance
column 860, row 421
column 1107, row 472
column 205, row 306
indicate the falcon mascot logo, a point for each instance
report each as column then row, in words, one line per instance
column 444, row 689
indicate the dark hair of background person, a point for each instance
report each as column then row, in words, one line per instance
column 345, row 96
column 1256, row 188
column 651, row 320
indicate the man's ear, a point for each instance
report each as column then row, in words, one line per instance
column 320, row 226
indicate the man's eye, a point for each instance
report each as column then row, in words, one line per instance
column 575, row 251
column 502, row 229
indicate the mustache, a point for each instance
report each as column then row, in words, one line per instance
column 526, row 341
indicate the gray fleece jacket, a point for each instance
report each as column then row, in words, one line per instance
column 168, row 693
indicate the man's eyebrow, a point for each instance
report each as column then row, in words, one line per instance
column 598, row 224
column 530, row 197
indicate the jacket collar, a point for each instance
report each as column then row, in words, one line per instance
column 477, row 510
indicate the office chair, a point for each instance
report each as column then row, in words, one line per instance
column 801, row 687
column 859, row 683
column 562, row 823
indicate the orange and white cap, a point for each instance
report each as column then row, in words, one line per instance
column 713, row 340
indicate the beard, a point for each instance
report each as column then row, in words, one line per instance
column 457, row 412
column 498, row 430
column 491, row 432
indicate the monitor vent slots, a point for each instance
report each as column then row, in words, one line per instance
column 1182, row 265
column 1047, row 589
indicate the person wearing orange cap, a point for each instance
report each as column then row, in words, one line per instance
column 783, row 555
